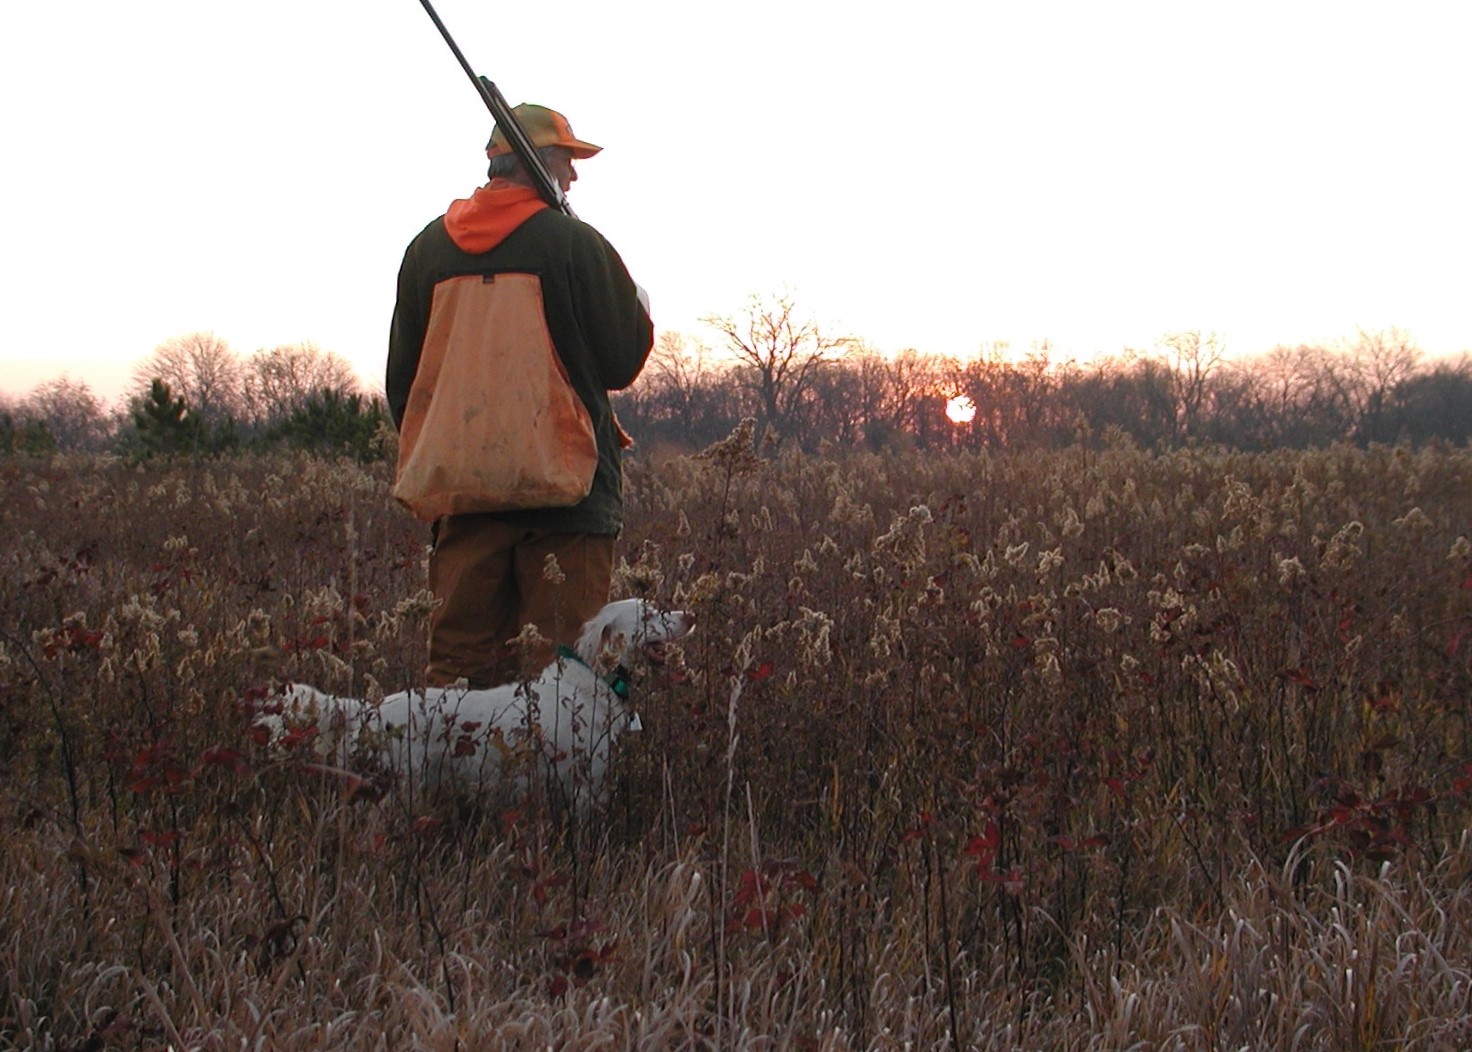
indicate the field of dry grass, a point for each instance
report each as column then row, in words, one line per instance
column 1077, row 750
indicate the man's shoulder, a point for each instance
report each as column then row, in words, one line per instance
column 549, row 222
column 434, row 230
column 429, row 242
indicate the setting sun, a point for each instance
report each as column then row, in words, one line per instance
column 961, row 409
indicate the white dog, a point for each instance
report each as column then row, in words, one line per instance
column 563, row 723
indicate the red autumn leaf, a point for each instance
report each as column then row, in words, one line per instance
column 1464, row 783
column 759, row 918
column 752, row 888
column 920, row 829
column 222, row 756
column 151, row 754
column 761, row 672
column 1388, row 701
column 540, row 888
column 1011, row 881
column 803, row 879
column 464, row 746
column 1301, row 677
column 1068, row 844
column 298, row 736
column 159, row 841
column 987, row 843
column 135, row 855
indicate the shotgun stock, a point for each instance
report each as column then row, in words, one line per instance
column 515, row 134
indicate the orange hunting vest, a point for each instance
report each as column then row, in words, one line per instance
column 492, row 422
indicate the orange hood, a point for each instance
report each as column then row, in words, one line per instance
column 482, row 221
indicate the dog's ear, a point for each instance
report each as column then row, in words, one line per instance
column 611, row 640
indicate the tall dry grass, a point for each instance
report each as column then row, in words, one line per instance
column 1090, row 749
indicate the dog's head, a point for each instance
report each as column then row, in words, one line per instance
column 631, row 627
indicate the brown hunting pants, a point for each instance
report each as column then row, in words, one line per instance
column 491, row 579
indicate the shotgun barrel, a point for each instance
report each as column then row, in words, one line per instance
column 515, row 134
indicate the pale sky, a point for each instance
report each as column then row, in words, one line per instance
column 931, row 174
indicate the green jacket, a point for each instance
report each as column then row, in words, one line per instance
column 602, row 333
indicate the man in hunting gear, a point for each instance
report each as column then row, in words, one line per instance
column 499, row 289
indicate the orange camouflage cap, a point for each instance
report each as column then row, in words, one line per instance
column 543, row 127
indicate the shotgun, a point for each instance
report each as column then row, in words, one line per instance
column 516, row 135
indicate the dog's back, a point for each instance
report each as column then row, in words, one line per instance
column 563, row 723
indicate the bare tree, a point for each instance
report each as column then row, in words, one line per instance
column 201, row 369
column 917, row 393
column 278, row 382
column 1377, row 362
column 1191, row 359
column 1131, row 394
column 678, row 371
column 845, row 399
column 1295, row 396
column 854, row 401
column 72, row 414
column 779, row 354
column 984, row 380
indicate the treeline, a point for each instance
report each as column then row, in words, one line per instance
column 193, row 396
column 817, row 393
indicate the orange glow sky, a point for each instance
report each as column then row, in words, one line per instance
column 934, row 175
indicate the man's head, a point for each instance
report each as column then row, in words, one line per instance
column 550, row 133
